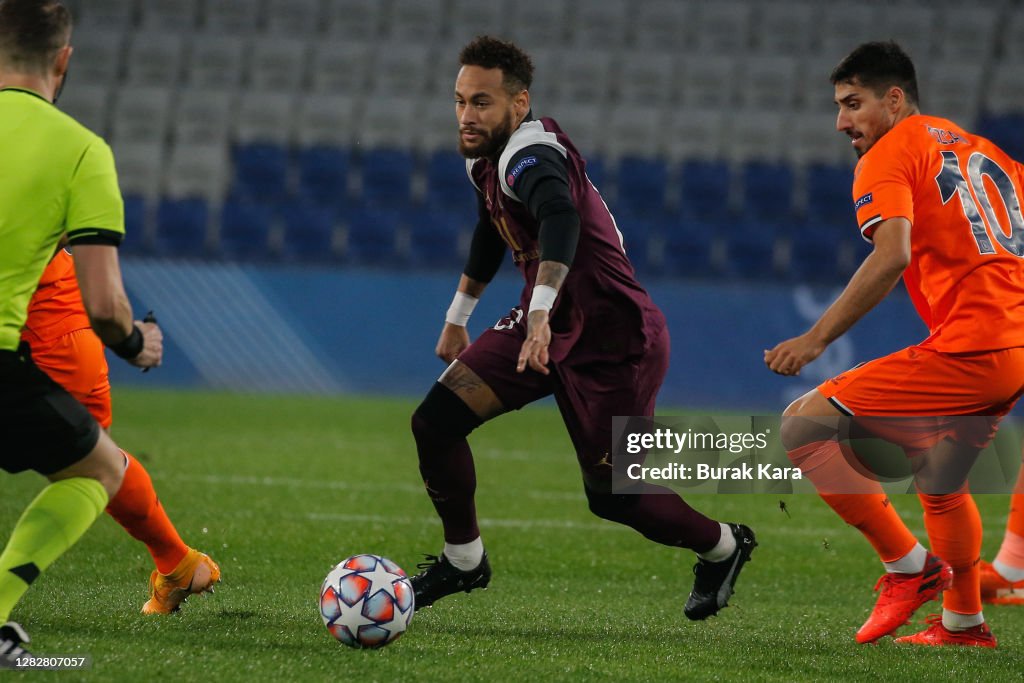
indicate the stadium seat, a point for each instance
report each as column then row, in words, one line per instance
column 830, row 195
column 695, row 133
column 645, row 77
column 294, row 17
column 136, row 227
column 768, row 192
column 597, row 171
column 722, row 27
column 813, row 138
column 155, row 58
column 662, row 25
column 969, row 33
column 912, row 26
column 140, row 167
column 386, row 122
column 242, row 17
column 756, row 135
column 141, row 115
column 354, row 20
column 177, row 16
column 203, row 117
column 278, row 64
column 642, row 186
column 751, row 245
column 403, row 69
column 1006, row 130
column 843, row 27
column 815, row 249
column 417, row 20
column 438, row 238
column 634, row 130
column 1005, row 91
column 323, row 175
column 767, row 82
column 585, row 75
column 181, row 227
column 326, row 120
column 705, row 189
column 604, row 23
column 785, row 28
column 261, row 173
column 106, row 14
column 436, row 127
column 637, row 231
column 952, row 89
column 244, row 230
column 341, row 67
column 470, row 18
column 1013, row 50
column 537, row 22
column 386, row 176
column 308, row 232
column 99, row 57
column 447, row 185
column 264, row 117
column 215, row 61
column 89, row 105
column 372, row 234
column 584, row 124
column 706, row 81
column 688, row 248
column 199, row 170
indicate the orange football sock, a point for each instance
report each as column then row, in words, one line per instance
column 137, row 508
column 869, row 510
column 954, row 530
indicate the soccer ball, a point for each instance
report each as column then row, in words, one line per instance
column 366, row 601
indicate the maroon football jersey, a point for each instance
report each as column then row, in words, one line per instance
column 602, row 314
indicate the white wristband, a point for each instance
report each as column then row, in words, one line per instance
column 543, row 298
column 460, row 310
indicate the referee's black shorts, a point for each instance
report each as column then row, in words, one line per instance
column 42, row 427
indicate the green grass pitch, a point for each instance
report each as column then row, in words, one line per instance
column 279, row 489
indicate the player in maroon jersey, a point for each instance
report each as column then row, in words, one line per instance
column 584, row 331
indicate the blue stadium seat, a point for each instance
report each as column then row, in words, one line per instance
column 688, row 249
column 829, row 195
column 323, row 175
column 135, row 237
column 261, row 173
column 245, row 229
column 814, row 254
column 768, row 191
column 372, row 235
column 434, row 237
column 641, row 185
column 597, row 171
column 448, row 185
column 705, row 189
column 308, row 231
column 1007, row 131
column 181, row 227
column 387, row 176
column 751, row 247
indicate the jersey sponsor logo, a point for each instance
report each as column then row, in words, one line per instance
column 944, row 137
column 523, row 164
column 863, row 201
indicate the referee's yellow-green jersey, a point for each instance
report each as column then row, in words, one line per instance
column 55, row 176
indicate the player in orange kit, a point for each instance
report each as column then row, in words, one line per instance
column 65, row 348
column 942, row 209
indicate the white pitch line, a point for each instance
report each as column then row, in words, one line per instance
column 484, row 521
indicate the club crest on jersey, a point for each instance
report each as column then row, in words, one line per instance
column 523, row 164
column 863, row 201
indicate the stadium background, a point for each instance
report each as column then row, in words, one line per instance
column 291, row 186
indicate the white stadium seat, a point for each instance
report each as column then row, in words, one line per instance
column 325, row 119
column 141, row 115
column 264, row 117
column 155, row 58
column 203, row 116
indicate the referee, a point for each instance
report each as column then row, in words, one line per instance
column 56, row 178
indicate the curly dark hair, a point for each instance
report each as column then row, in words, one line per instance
column 489, row 52
column 31, row 32
column 878, row 66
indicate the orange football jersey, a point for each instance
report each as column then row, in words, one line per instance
column 56, row 307
column 961, row 194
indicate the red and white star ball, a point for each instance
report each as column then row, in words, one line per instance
column 366, row 601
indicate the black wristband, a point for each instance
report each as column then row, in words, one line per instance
column 131, row 346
